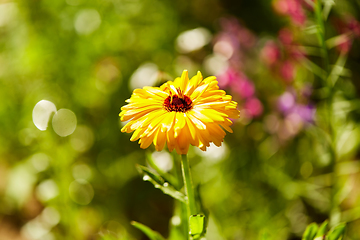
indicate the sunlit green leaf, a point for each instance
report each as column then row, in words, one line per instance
column 171, row 179
column 159, row 182
column 147, row 231
column 318, row 71
column 337, row 40
column 196, row 223
column 322, row 229
column 310, row 232
column 337, row 232
column 327, row 7
column 337, row 69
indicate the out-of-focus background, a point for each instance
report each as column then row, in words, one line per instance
column 67, row 67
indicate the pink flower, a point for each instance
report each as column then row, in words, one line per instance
column 353, row 26
column 345, row 45
column 228, row 78
column 240, row 34
column 237, row 82
column 281, row 6
column 270, row 53
column 298, row 17
column 287, row 71
column 254, row 107
column 350, row 29
column 291, row 8
column 286, row 102
column 244, row 88
column 286, row 36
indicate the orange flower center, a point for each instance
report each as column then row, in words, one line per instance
column 177, row 104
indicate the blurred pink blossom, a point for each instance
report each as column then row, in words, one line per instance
column 238, row 83
column 291, row 48
column 244, row 37
column 288, row 105
column 350, row 29
column 287, row 71
column 286, row 36
column 228, row 78
column 244, row 88
column 234, row 42
column 286, row 102
column 282, row 56
column 306, row 112
column 306, row 91
column 254, row 107
column 293, row 9
column 353, row 26
column 345, row 45
column 270, row 53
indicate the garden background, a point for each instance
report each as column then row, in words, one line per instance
column 293, row 158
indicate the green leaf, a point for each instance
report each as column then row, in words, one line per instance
column 168, row 177
column 337, row 40
column 148, row 172
column 310, row 232
column 337, row 232
column 337, row 69
column 196, row 223
column 318, row 71
column 159, row 182
column 322, row 229
column 327, row 7
column 147, row 231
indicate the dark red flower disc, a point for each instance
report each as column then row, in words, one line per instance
column 176, row 104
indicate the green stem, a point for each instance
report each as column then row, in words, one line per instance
column 328, row 104
column 188, row 185
column 321, row 35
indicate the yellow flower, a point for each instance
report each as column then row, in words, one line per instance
column 179, row 113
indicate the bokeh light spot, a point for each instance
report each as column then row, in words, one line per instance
column 47, row 190
column 216, row 64
column 87, row 21
column 64, row 122
column 163, row 160
column 175, row 220
column 40, row 161
column 192, row 40
column 213, row 153
column 50, row 216
column 224, row 48
column 41, row 114
column 20, row 184
column 81, row 192
column 184, row 62
column 7, row 13
column 145, row 75
column 81, row 171
column 35, row 230
column 82, row 138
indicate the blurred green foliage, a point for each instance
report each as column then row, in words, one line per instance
column 264, row 183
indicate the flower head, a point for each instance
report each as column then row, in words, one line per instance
column 179, row 113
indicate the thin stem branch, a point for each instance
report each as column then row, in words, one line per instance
column 321, row 34
column 328, row 104
column 188, row 185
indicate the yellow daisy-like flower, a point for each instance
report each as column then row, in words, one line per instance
column 180, row 113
